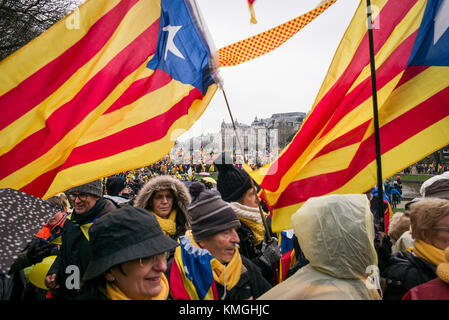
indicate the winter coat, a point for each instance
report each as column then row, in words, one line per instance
column 251, row 283
column 180, row 203
column 435, row 289
column 336, row 235
column 75, row 249
column 403, row 271
column 249, row 250
column 248, row 247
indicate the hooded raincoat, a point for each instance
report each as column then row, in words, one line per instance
column 336, row 234
column 180, row 203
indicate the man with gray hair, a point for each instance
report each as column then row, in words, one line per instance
column 74, row 255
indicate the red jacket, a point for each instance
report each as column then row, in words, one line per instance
column 435, row 289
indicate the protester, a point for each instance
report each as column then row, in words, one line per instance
column 45, row 241
column 214, row 226
column 89, row 205
column 396, row 195
column 436, row 289
column 404, row 270
column 336, row 234
column 399, row 232
column 12, row 286
column 118, row 191
column 195, row 189
column 387, row 189
column 167, row 198
column 235, row 187
column 399, row 182
column 44, row 244
column 128, row 258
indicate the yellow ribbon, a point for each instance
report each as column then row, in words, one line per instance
column 85, row 229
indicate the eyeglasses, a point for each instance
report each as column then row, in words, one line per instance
column 153, row 259
column 441, row 228
column 81, row 196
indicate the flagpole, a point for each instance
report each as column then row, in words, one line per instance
column 264, row 221
column 380, row 205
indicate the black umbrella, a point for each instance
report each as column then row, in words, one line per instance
column 21, row 217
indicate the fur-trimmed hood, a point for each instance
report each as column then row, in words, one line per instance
column 158, row 183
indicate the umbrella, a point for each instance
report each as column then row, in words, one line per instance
column 209, row 179
column 21, row 217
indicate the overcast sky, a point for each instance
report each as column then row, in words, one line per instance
column 284, row 80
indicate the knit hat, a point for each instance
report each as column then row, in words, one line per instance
column 125, row 234
column 210, row 215
column 114, row 185
column 196, row 188
column 94, row 188
column 232, row 182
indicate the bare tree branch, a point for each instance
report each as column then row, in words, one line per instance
column 21, row 21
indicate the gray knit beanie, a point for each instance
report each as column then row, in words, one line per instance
column 94, row 188
column 210, row 215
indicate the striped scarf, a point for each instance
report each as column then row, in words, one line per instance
column 251, row 217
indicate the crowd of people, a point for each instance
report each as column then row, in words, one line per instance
column 427, row 168
column 158, row 234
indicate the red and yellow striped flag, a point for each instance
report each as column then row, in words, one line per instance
column 251, row 10
column 110, row 96
column 334, row 150
column 269, row 40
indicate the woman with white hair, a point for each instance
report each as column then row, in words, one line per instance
column 430, row 230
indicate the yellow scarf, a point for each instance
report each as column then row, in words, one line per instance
column 168, row 225
column 229, row 273
column 114, row 293
column 428, row 252
column 256, row 228
column 443, row 268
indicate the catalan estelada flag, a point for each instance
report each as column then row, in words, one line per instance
column 334, row 150
column 77, row 104
column 288, row 258
column 269, row 40
column 191, row 276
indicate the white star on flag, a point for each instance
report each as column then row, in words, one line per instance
column 172, row 30
column 441, row 21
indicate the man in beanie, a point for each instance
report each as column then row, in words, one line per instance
column 74, row 255
column 118, row 191
column 128, row 257
column 214, row 228
column 235, row 187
